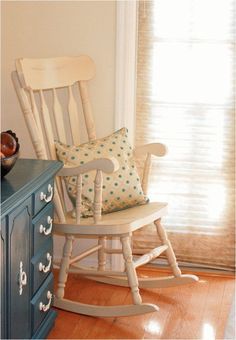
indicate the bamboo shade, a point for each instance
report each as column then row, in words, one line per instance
column 186, row 99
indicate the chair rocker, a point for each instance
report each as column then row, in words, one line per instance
column 37, row 81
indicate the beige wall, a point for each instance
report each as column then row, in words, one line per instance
column 58, row 28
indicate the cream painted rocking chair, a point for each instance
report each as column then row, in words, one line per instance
column 35, row 81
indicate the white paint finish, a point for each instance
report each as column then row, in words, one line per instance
column 61, row 72
column 97, row 204
column 78, row 198
column 146, row 258
column 120, row 224
column 107, row 165
column 64, row 266
column 156, row 149
column 153, row 282
column 113, row 224
column 130, row 269
column 87, row 108
column 74, row 117
column 59, row 118
column 169, row 251
column 109, row 311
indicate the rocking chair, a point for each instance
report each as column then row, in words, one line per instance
column 36, row 81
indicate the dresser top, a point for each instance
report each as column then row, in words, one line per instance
column 26, row 176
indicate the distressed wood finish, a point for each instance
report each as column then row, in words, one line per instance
column 74, row 118
column 155, row 149
column 37, row 142
column 65, row 263
column 89, row 121
column 130, row 269
column 85, row 254
column 48, row 78
column 78, row 198
column 102, row 253
column 146, row 172
column 37, row 118
column 97, row 210
column 59, row 120
column 146, row 258
column 47, row 126
column 169, row 251
column 49, row 73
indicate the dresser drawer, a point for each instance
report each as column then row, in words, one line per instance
column 42, row 302
column 42, row 227
column 43, row 196
column 41, row 265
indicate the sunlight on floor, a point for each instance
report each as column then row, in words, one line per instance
column 153, row 327
column 208, row 332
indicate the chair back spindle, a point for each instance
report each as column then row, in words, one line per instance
column 97, row 209
column 47, row 126
column 58, row 117
column 74, row 117
column 146, row 172
column 78, row 198
column 87, row 109
column 36, row 117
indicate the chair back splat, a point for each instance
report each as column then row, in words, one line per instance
column 100, row 176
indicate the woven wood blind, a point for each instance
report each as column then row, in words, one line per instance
column 186, row 99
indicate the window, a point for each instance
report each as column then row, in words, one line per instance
column 186, row 99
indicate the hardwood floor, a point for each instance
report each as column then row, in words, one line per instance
column 196, row 311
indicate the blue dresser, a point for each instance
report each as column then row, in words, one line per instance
column 27, row 249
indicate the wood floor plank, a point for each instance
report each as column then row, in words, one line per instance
column 195, row 311
column 225, row 309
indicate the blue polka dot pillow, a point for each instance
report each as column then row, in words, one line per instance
column 121, row 189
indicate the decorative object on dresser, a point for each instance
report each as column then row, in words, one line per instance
column 27, row 249
column 36, row 82
column 9, row 151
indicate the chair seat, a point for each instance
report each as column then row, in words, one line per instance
column 116, row 223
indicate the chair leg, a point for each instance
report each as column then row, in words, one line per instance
column 130, row 269
column 169, row 251
column 154, row 282
column 136, row 308
column 63, row 273
column 101, row 253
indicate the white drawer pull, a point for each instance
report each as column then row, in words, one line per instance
column 22, row 279
column 44, row 307
column 44, row 197
column 43, row 268
column 46, row 231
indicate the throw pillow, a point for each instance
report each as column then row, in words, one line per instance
column 121, row 189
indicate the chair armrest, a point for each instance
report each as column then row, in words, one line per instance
column 107, row 165
column 156, row 149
